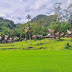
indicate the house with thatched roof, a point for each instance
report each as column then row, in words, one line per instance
column 53, row 32
column 34, row 37
column 69, row 32
column 37, row 36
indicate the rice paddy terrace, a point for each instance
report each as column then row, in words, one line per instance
column 39, row 44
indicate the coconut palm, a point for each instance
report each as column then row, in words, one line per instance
column 26, row 30
column 29, row 27
column 28, row 17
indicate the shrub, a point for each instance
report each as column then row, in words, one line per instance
column 21, row 39
column 67, row 46
column 71, row 39
column 16, row 39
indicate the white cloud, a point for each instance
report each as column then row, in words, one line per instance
column 2, row 15
column 12, row 9
column 38, row 4
column 69, row 1
column 51, row 14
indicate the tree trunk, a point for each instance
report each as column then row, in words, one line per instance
column 59, row 31
column 30, row 38
column 25, row 37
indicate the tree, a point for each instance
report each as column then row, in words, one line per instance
column 70, row 12
column 29, row 27
column 57, row 10
column 42, row 25
column 26, row 30
column 28, row 17
column 54, row 25
column 29, row 31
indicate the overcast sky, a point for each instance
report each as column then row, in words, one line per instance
column 17, row 10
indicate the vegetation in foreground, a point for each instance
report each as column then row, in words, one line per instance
column 36, row 61
column 65, row 43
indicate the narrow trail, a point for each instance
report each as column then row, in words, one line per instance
column 45, row 42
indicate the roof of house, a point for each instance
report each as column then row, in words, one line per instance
column 69, row 32
column 53, row 31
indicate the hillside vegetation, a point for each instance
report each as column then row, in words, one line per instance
column 37, row 25
column 6, row 25
column 47, row 19
column 47, row 44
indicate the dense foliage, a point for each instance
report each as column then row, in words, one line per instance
column 38, row 25
column 6, row 26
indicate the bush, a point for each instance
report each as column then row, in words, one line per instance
column 67, row 46
column 71, row 39
column 17, row 39
column 21, row 39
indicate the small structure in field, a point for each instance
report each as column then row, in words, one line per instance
column 16, row 39
column 37, row 36
column 34, row 37
column 47, row 36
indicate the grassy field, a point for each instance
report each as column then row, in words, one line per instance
column 36, row 61
column 39, row 44
column 38, row 56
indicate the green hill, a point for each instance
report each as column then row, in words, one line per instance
column 47, row 19
column 6, row 24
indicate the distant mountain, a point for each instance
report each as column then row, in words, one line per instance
column 6, row 24
column 47, row 19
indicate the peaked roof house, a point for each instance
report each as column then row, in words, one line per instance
column 69, row 32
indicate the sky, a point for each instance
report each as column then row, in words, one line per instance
column 17, row 10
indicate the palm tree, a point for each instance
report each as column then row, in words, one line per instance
column 28, row 17
column 29, row 27
column 29, row 32
column 26, row 30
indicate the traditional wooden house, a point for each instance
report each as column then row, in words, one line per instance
column 53, row 32
column 16, row 39
column 37, row 36
column 34, row 37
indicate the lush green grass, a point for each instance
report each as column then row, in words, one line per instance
column 40, row 44
column 36, row 61
column 24, row 44
column 48, row 56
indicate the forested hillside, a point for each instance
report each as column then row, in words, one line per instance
column 37, row 25
column 47, row 19
column 6, row 25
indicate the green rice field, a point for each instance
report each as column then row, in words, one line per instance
column 36, row 61
column 38, row 56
